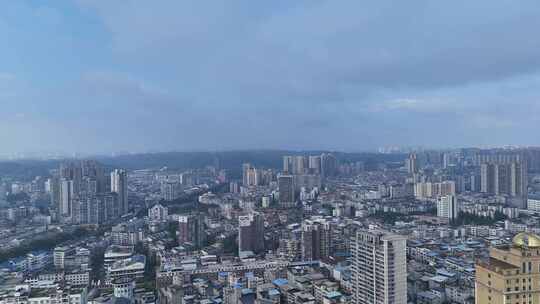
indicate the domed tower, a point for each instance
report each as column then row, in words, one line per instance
column 512, row 272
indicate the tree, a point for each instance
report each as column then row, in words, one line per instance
column 45, row 243
column 473, row 219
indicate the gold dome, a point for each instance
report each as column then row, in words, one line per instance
column 526, row 239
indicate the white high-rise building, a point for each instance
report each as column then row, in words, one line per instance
column 171, row 190
column 315, row 164
column 119, row 186
column 447, row 207
column 411, row 163
column 379, row 267
column 66, row 196
column 158, row 213
column 288, row 164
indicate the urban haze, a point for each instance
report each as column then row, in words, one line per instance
column 269, row 152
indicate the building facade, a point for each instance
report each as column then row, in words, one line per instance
column 379, row 268
column 511, row 274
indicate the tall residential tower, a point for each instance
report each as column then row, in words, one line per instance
column 119, row 186
column 379, row 268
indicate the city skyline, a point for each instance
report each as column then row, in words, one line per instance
column 277, row 152
column 459, row 226
column 98, row 77
column 62, row 155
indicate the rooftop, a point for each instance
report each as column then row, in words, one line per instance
column 497, row 265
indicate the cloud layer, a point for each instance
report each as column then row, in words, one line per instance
column 99, row 76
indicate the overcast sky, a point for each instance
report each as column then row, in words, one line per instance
column 100, row 76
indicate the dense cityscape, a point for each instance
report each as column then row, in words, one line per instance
column 269, row 152
column 420, row 227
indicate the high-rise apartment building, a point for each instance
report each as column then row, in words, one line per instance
column 95, row 209
column 447, row 207
column 81, row 193
column 425, row 190
column 288, row 164
column 171, row 190
column 297, row 164
column 411, row 164
column 191, row 230
column 300, row 164
column 254, row 177
column 379, row 268
column 54, row 184
column 507, row 178
column 158, row 212
column 245, row 173
column 110, row 203
column 119, row 186
column 287, row 194
column 66, row 196
column 4, row 190
column 497, row 157
column 511, row 274
column 316, row 240
column 73, row 172
column 487, row 178
column 251, row 232
column 307, row 181
column 315, row 164
column 92, row 170
column 329, row 165
column 79, row 214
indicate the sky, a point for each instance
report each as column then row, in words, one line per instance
column 93, row 76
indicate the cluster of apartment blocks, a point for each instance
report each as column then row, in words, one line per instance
column 54, row 294
column 278, row 280
column 81, row 193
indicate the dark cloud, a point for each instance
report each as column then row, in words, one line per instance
column 285, row 74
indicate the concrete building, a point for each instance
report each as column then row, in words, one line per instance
column 411, row 164
column 123, row 288
column 158, row 213
column 427, row 190
column 115, row 253
column 316, row 240
column 132, row 268
column 245, row 173
column 447, row 207
column 287, row 193
column 508, row 178
column 533, row 203
column 329, row 165
column 66, row 196
column 379, row 268
column 251, row 232
column 119, row 186
column 315, row 164
column 191, row 230
column 60, row 255
column 307, row 181
column 171, row 190
column 512, row 273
